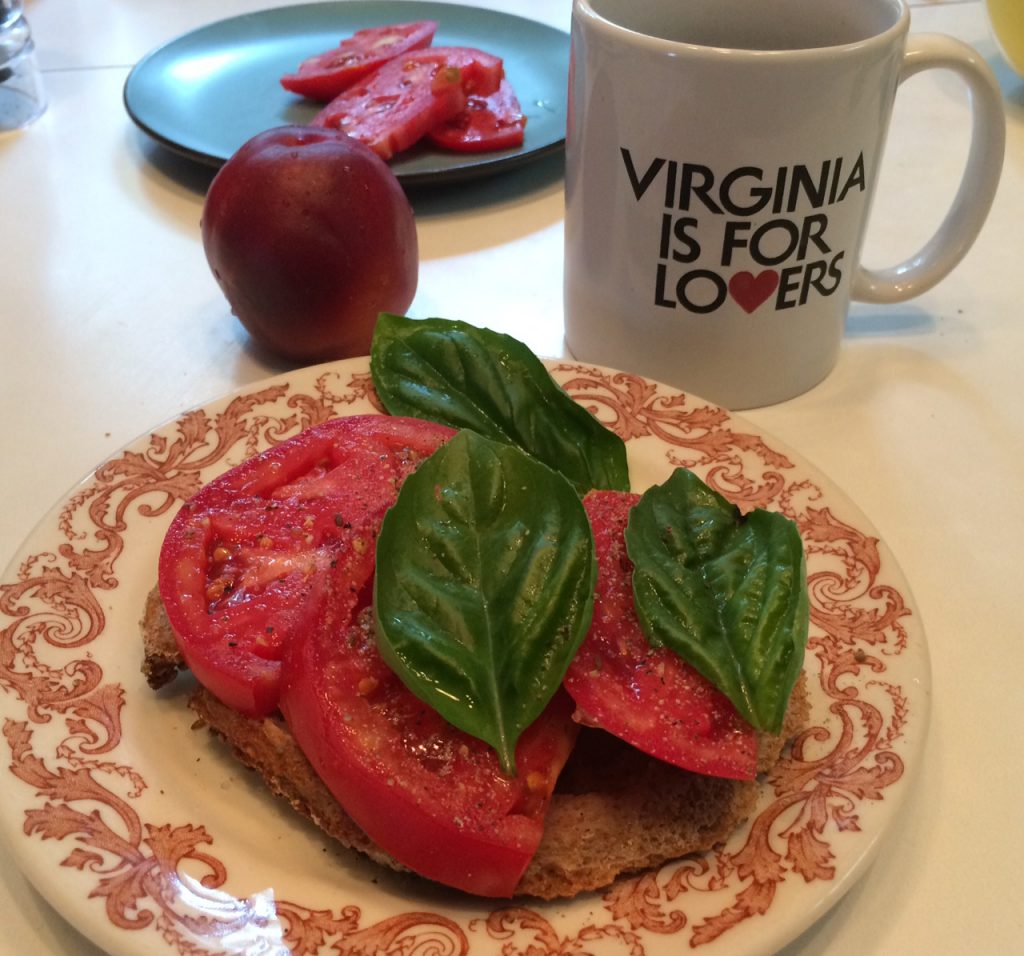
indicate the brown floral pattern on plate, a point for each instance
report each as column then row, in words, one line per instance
column 98, row 828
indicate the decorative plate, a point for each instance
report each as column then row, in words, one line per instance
column 150, row 838
column 207, row 92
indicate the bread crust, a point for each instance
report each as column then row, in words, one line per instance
column 614, row 811
column 161, row 658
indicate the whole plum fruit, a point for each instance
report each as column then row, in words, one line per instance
column 310, row 236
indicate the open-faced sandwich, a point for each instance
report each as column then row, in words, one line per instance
column 456, row 639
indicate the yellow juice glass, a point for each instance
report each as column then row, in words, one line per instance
column 1007, row 19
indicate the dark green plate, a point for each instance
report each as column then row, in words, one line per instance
column 207, row 92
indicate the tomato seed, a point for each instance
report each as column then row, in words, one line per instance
column 367, row 686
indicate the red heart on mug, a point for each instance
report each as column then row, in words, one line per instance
column 751, row 291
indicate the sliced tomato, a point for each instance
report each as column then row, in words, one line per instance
column 249, row 559
column 481, row 72
column 487, row 123
column 406, row 98
column 431, row 796
column 647, row 696
column 324, row 76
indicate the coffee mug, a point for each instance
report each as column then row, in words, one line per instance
column 721, row 159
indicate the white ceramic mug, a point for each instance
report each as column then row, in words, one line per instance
column 721, row 159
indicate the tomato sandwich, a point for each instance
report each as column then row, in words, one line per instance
column 504, row 676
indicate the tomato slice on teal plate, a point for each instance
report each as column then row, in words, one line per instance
column 404, row 100
column 324, row 76
column 487, row 124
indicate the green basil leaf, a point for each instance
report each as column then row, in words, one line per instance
column 484, row 586
column 467, row 377
column 726, row 592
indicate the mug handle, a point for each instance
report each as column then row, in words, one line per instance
column 937, row 258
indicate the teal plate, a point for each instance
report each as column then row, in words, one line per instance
column 207, row 92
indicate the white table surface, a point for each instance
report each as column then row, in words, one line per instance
column 112, row 323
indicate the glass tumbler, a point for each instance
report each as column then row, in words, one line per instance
column 22, row 98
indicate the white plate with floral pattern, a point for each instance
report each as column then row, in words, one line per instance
column 150, row 838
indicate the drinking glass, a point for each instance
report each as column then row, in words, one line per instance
column 22, row 98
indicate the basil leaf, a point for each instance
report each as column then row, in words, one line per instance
column 484, row 586
column 726, row 592
column 467, row 377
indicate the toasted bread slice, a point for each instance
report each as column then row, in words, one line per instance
column 161, row 658
column 615, row 810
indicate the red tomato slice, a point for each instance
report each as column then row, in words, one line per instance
column 487, row 123
column 431, row 796
column 648, row 696
column 406, row 98
column 481, row 72
column 248, row 560
column 324, row 76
